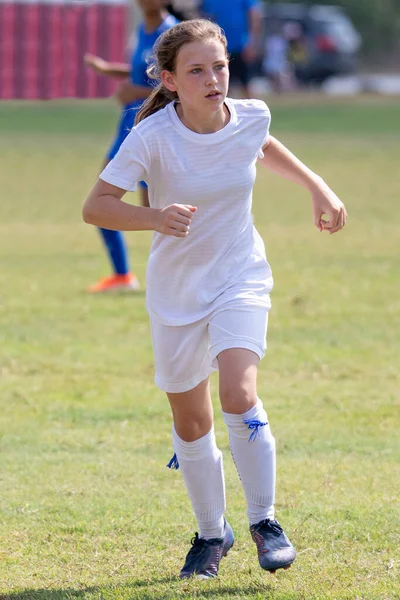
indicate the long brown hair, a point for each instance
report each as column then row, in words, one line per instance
column 166, row 50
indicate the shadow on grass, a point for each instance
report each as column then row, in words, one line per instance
column 127, row 591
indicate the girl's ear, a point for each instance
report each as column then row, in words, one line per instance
column 168, row 81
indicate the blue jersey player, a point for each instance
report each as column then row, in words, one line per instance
column 131, row 93
column 241, row 21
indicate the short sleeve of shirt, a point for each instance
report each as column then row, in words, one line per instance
column 266, row 125
column 130, row 165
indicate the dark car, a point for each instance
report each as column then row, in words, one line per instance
column 322, row 39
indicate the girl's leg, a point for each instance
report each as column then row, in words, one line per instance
column 199, row 458
column 122, row 280
column 183, row 366
column 116, row 248
column 251, row 441
column 114, row 242
column 253, row 450
column 201, row 464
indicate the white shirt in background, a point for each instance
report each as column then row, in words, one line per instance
column 276, row 54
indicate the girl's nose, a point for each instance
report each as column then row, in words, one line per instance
column 211, row 78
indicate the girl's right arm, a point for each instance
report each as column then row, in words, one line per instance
column 104, row 208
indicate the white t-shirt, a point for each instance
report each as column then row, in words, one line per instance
column 222, row 260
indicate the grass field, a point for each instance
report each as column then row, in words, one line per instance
column 88, row 509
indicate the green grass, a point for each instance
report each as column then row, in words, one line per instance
column 88, row 509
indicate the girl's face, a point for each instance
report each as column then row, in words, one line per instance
column 201, row 75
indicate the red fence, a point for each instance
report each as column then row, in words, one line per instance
column 42, row 44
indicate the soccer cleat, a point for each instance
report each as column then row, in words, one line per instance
column 116, row 283
column 274, row 548
column 203, row 558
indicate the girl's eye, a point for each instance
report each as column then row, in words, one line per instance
column 195, row 70
column 220, row 67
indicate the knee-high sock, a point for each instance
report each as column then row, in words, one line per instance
column 202, row 469
column 115, row 243
column 253, row 451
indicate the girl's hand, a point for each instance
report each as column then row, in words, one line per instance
column 175, row 219
column 326, row 203
column 96, row 63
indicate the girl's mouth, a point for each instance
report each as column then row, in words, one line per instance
column 214, row 95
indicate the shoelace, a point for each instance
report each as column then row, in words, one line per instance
column 173, row 463
column 198, row 547
column 254, row 425
column 270, row 526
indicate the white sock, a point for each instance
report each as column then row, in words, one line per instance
column 202, row 469
column 254, row 459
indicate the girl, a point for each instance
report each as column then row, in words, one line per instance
column 131, row 94
column 208, row 280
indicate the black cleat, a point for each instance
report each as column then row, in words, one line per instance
column 204, row 556
column 274, row 548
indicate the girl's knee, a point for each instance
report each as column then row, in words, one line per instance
column 193, row 429
column 237, row 398
column 192, row 413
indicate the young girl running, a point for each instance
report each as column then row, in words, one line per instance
column 208, row 280
column 131, row 94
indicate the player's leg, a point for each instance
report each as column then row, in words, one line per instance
column 245, row 77
column 122, row 278
column 238, row 343
column 183, row 367
column 240, row 73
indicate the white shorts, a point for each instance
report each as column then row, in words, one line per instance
column 185, row 355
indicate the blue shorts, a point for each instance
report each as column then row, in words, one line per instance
column 125, row 124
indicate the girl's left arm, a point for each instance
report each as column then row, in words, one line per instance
column 104, row 67
column 278, row 159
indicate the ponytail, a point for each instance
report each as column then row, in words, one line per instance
column 158, row 98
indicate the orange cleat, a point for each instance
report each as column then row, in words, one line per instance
column 116, row 283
